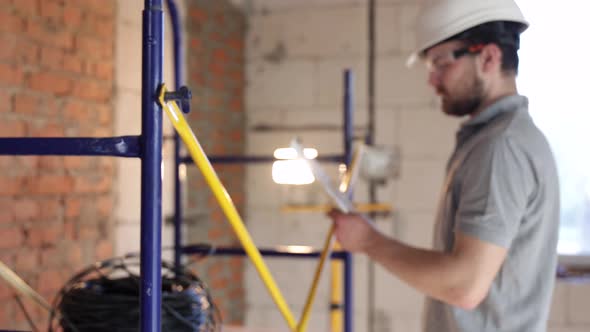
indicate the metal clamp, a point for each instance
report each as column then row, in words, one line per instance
column 182, row 96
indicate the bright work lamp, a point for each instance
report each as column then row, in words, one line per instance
column 290, row 170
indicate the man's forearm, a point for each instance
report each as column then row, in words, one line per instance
column 436, row 274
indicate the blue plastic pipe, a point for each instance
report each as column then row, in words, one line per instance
column 151, row 167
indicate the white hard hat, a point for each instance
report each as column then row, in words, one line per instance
column 441, row 19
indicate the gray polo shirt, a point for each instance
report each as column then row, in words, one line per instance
column 502, row 188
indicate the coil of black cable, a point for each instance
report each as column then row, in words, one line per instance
column 105, row 297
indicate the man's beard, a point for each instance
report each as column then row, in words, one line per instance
column 468, row 103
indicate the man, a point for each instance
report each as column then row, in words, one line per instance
column 494, row 258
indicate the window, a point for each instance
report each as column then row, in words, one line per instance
column 554, row 72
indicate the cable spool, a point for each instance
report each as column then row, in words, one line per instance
column 105, row 297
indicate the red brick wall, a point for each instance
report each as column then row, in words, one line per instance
column 215, row 58
column 56, row 79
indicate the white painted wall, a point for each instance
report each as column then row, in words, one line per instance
column 296, row 52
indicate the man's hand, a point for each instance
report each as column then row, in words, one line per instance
column 461, row 277
column 354, row 232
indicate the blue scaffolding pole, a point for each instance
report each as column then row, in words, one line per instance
column 178, row 82
column 348, row 104
column 147, row 146
column 151, row 167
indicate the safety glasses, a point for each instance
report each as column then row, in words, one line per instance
column 441, row 61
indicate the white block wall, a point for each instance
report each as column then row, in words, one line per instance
column 296, row 53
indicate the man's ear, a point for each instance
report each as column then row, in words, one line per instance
column 491, row 58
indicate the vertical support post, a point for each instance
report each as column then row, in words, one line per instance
column 348, row 110
column 178, row 82
column 370, row 141
column 348, row 137
column 348, row 305
column 151, row 168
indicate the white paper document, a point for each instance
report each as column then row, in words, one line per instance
column 340, row 199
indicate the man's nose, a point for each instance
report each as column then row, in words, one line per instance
column 434, row 78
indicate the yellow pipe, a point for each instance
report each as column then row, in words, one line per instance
column 336, row 296
column 225, row 201
column 316, row 278
column 345, row 184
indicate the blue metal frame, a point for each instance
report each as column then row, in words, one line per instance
column 348, row 103
column 151, row 167
column 348, row 138
column 178, row 82
column 148, row 147
column 348, row 110
column 270, row 252
column 124, row 146
column 257, row 159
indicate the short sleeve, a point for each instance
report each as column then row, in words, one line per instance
column 493, row 190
